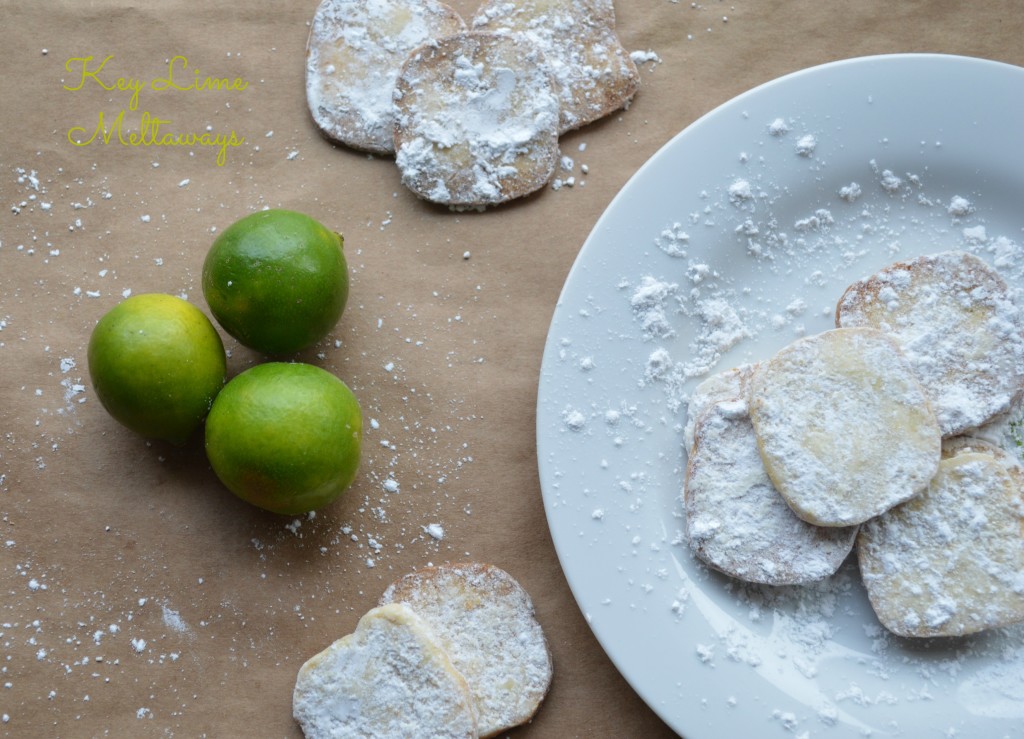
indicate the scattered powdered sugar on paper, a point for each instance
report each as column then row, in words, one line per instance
column 73, row 237
column 644, row 57
column 173, row 620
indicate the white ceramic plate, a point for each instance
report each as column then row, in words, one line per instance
column 735, row 238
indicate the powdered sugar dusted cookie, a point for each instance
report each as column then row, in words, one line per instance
column 954, row 319
column 485, row 621
column 951, row 562
column 353, row 55
column 595, row 74
column 729, row 386
column 1005, row 430
column 737, row 522
column 390, row 677
column 477, row 120
column 844, row 427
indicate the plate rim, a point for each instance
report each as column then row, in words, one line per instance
column 550, row 352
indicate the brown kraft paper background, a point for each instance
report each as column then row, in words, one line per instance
column 139, row 598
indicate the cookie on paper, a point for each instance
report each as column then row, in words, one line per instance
column 595, row 74
column 389, row 678
column 477, row 120
column 353, row 55
column 486, row 623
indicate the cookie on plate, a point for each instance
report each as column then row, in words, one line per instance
column 477, row 120
column 737, row 522
column 951, row 562
column 595, row 74
column 954, row 319
column 728, row 386
column 486, row 623
column 389, row 678
column 844, row 427
column 353, row 54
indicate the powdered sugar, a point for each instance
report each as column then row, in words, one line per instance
column 355, row 50
column 950, row 562
column 844, row 426
column 594, row 74
column 477, row 120
column 650, row 302
column 737, row 521
column 414, row 688
column 954, row 318
column 485, row 621
column 655, row 304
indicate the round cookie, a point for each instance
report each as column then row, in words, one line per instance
column 486, row 623
column 390, row 677
column 477, row 120
column 595, row 74
column 844, row 428
column 954, row 319
column 737, row 522
column 730, row 385
column 354, row 52
column 950, row 562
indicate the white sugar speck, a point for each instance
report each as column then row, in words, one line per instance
column 574, row 419
column 960, row 207
column 850, row 192
column 740, row 191
column 806, row 145
column 778, row 127
column 173, row 619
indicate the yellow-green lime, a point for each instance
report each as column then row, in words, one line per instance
column 276, row 280
column 156, row 363
column 285, row 436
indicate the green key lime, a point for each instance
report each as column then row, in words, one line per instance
column 277, row 281
column 156, row 363
column 285, row 437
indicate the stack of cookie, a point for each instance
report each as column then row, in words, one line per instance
column 471, row 111
column 878, row 433
column 450, row 651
